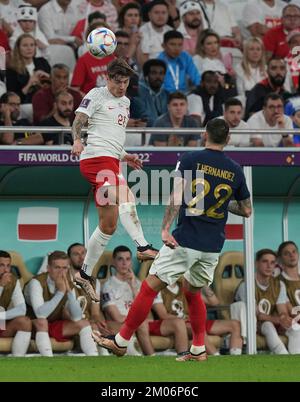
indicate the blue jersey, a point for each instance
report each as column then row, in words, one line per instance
column 214, row 180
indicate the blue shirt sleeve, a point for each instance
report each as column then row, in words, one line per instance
column 242, row 192
column 192, row 70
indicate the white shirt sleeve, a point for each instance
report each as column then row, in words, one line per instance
column 18, row 302
column 195, row 105
column 45, row 21
column 108, row 298
column 158, row 299
column 90, row 102
column 73, row 307
column 41, row 308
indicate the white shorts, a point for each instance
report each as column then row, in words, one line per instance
column 197, row 266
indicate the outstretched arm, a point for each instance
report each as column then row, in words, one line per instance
column 241, row 208
column 79, row 122
column 171, row 212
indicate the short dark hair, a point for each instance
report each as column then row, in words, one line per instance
column 122, row 34
column 172, row 35
column 153, row 62
column 124, row 10
column 119, row 67
column 275, row 58
column 207, row 73
column 218, row 130
column 154, row 3
column 65, row 92
column 121, row 249
column 60, row 66
column 95, row 15
column 73, row 245
column 95, row 25
column 232, row 102
column 283, row 245
column 272, row 96
column 5, row 97
column 176, row 95
column 57, row 255
column 4, row 254
column 264, row 251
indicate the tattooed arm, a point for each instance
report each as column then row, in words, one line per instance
column 171, row 212
column 79, row 122
column 241, row 208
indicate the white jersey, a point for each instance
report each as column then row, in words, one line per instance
column 108, row 117
column 118, row 293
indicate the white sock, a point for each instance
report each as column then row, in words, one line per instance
column 130, row 220
column 43, row 344
column 96, row 246
column 88, row 346
column 20, row 343
column 294, row 340
column 196, row 350
column 121, row 341
column 217, row 354
column 131, row 349
column 274, row 343
column 103, row 351
column 235, row 351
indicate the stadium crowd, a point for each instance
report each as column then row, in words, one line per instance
column 194, row 60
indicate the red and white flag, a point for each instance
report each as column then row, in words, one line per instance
column 37, row 224
column 234, row 228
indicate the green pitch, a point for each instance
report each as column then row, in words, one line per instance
column 223, row 368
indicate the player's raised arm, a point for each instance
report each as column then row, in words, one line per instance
column 79, row 122
column 241, row 208
column 171, row 212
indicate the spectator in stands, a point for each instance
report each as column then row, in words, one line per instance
column 208, row 56
column 275, row 39
column 130, row 21
column 90, row 71
column 57, row 19
column 13, row 322
column 119, row 292
column 252, row 68
column 153, row 31
column 26, row 73
column 220, row 18
column 276, row 75
column 191, row 25
column 55, row 310
column 292, row 109
column 152, row 99
column 271, row 117
column 261, row 15
column 176, row 117
column 207, row 100
column 233, row 114
column 273, row 317
column 106, row 7
column 292, row 59
column 63, row 109
column 43, row 99
column 27, row 23
column 82, row 25
column 180, row 65
column 10, row 104
column 8, row 13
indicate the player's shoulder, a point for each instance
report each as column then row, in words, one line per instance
column 96, row 93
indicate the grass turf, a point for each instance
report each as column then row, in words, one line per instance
column 161, row 368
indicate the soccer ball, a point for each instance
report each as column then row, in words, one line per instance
column 101, row 42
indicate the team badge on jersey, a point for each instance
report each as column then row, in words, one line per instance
column 85, row 102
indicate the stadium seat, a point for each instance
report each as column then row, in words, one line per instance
column 62, row 54
column 102, row 269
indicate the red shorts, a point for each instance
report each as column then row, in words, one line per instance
column 208, row 325
column 154, row 327
column 1, row 331
column 102, row 171
column 56, row 331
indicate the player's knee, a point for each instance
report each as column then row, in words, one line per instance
column 108, row 228
column 81, row 324
column 177, row 324
column 40, row 325
column 25, row 324
column 143, row 328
